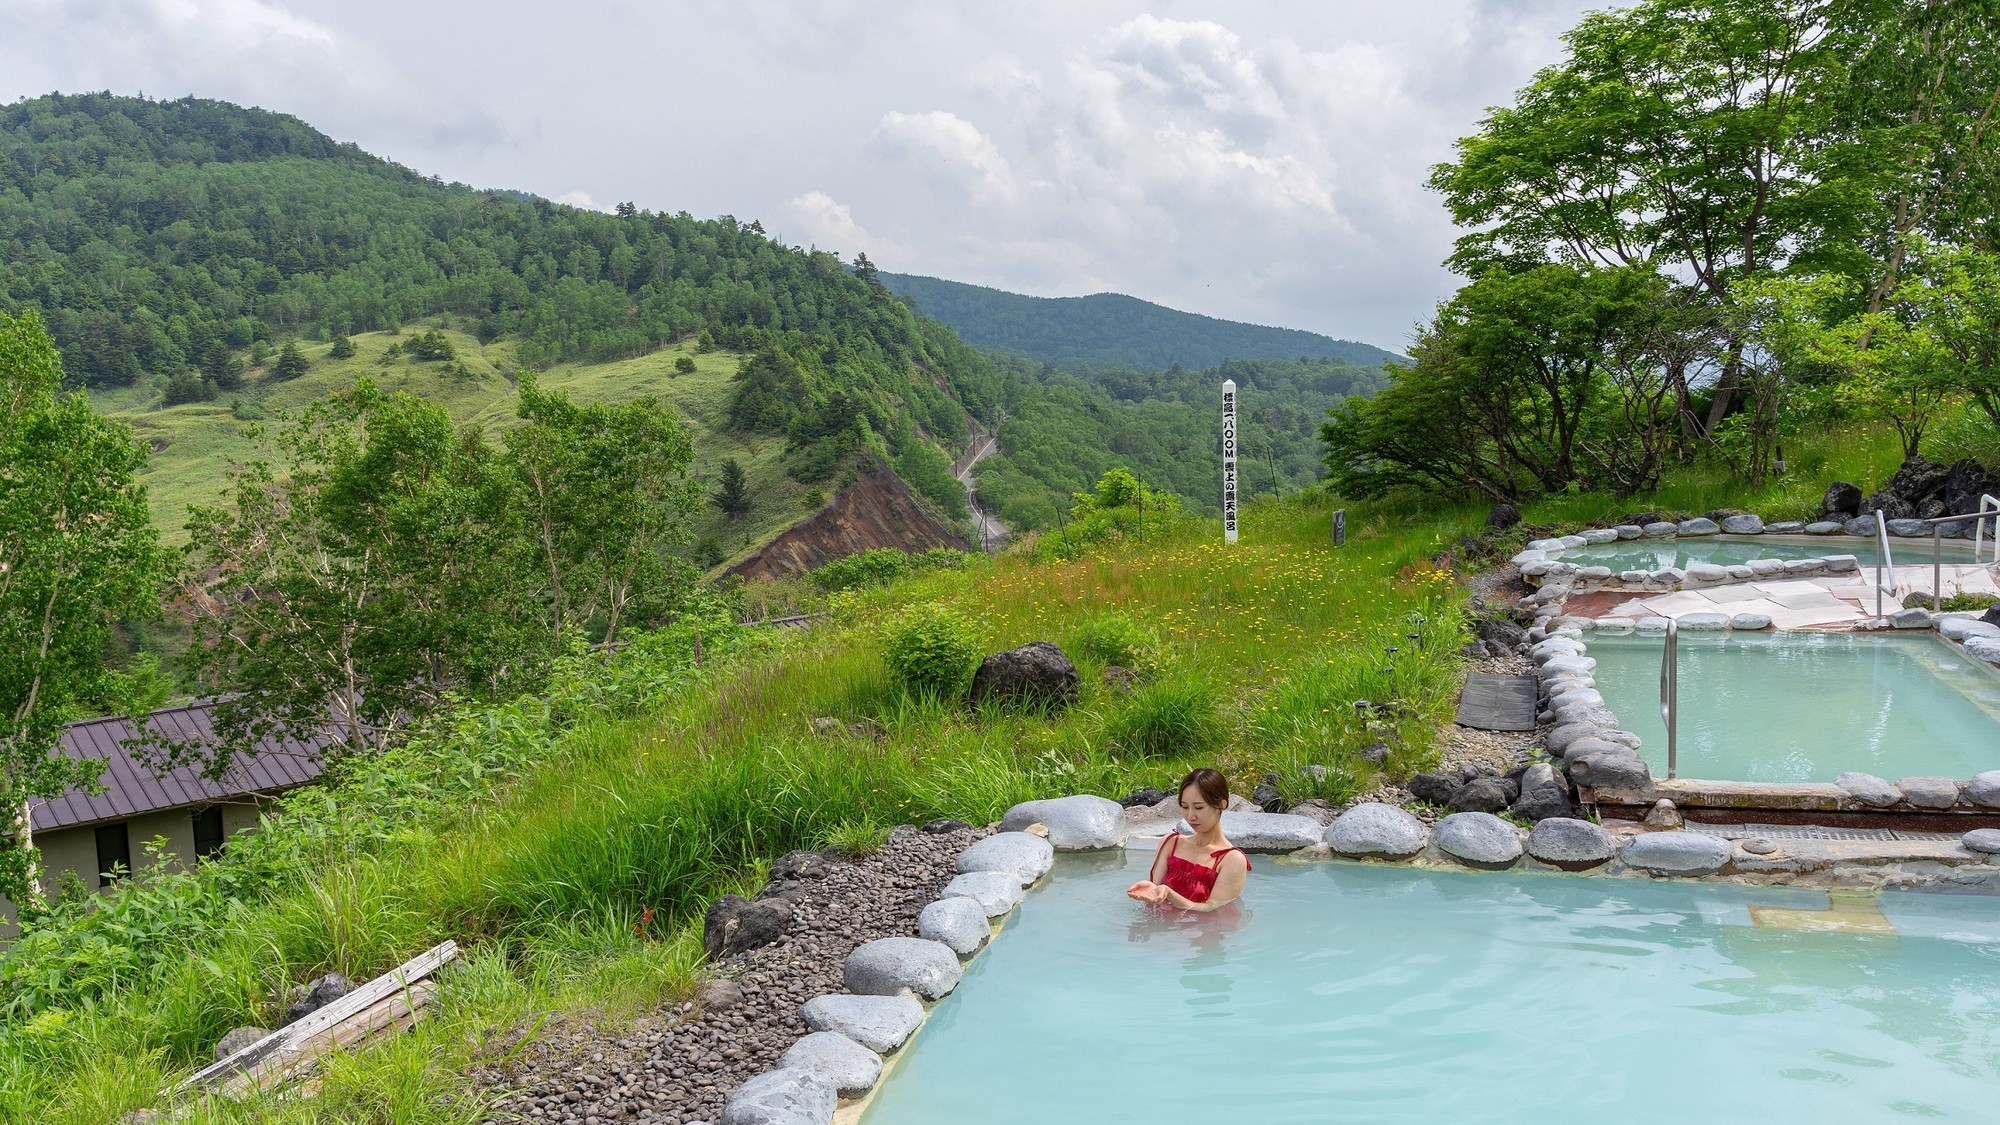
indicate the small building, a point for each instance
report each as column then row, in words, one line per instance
column 96, row 836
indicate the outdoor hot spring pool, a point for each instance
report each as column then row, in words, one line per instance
column 1807, row 706
column 1729, row 550
column 1358, row 993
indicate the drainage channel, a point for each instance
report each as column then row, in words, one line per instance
column 1814, row 832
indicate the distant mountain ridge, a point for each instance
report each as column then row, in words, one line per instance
column 1111, row 329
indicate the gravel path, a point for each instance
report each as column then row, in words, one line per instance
column 680, row 1065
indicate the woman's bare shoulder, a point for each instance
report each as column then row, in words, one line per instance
column 1236, row 857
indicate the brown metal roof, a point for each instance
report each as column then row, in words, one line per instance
column 131, row 788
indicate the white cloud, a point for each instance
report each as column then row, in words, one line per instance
column 579, row 198
column 955, row 144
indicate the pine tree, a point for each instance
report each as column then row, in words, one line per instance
column 732, row 497
column 222, row 367
column 291, row 363
column 343, row 348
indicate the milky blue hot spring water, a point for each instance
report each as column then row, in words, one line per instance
column 1807, row 706
column 1354, row 993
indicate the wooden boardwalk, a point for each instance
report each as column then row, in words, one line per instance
column 1495, row 702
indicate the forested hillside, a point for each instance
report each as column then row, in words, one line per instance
column 179, row 242
column 1064, row 430
column 1111, row 329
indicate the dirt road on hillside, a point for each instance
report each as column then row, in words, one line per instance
column 992, row 533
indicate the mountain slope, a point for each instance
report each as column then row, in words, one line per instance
column 173, row 246
column 1111, row 329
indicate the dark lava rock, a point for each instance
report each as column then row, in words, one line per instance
column 319, row 993
column 1266, row 796
column 1502, row 631
column 946, row 827
column 720, row 995
column 1119, row 679
column 1992, row 615
column 1842, row 501
column 1375, row 753
column 1502, row 516
column 1144, row 798
column 238, row 1038
column 734, row 925
column 1435, row 787
column 1541, row 804
column 802, row 865
column 1485, row 794
column 1892, row 505
column 789, row 890
column 1962, row 489
column 1036, row 676
column 1473, row 771
column 1919, row 479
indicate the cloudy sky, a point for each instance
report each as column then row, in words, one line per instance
column 1257, row 161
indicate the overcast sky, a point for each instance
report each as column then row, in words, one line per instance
column 1256, row 161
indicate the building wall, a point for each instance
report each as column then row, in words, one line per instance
column 75, row 849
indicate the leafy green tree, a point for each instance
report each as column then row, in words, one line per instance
column 185, row 387
column 379, row 573
column 431, row 346
column 291, row 362
column 684, row 365
column 77, row 554
column 606, row 498
column 731, row 494
column 343, row 347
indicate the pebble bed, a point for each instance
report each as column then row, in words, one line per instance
column 679, row 1067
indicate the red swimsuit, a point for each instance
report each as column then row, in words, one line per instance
column 1191, row 880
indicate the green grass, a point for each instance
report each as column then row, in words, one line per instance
column 579, row 888
column 195, row 444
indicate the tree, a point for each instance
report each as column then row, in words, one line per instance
column 291, row 363
column 185, row 387
column 343, row 347
column 684, row 365
column 731, row 495
column 866, row 271
column 380, row 573
column 78, row 554
column 606, row 497
column 221, row 367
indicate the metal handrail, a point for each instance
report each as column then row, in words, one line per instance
column 1979, row 526
column 1885, row 563
column 1670, row 694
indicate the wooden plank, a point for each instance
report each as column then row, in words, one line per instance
column 1492, row 701
column 287, row 1039
column 394, row 1013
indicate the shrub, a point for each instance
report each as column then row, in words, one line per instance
column 188, row 386
column 1180, row 718
column 930, row 651
column 684, row 365
column 1112, row 637
column 883, row 565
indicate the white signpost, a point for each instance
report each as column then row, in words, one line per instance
column 1229, row 460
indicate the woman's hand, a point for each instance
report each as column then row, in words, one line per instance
column 1147, row 892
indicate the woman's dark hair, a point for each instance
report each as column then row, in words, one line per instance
column 1214, row 787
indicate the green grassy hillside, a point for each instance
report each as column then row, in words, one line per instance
column 195, row 444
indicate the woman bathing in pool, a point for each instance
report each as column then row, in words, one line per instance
column 1203, row 871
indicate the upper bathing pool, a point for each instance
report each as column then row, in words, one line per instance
column 1729, row 550
column 1807, row 706
column 1364, row 994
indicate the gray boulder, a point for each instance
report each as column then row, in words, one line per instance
column 1076, row 824
column 1826, row 527
column 1618, row 769
column 1700, row 525
column 1023, row 855
column 1035, row 677
column 1911, row 618
column 889, row 965
column 1984, row 790
column 1743, row 525
column 733, row 925
column 1870, row 790
column 1909, row 529
column 1599, row 535
column 1707, row 573
column 1678, row 853
column 1750, row 622
column 1375, row 829
column 879, row 1023
column 1478, row 839
column 1960, row 628
column 957, row 921
column 1929, row 792
column 1785, row 527
column 1571, row 844
column 1629, row 531
column 1704, row 622
column 852, row 1068
column 996, row 892
column 1860, row 525
column 1562, row 737
column 1985, row 841
column 237, row 1038
column 1541, row 804
column 318, row 993
column 1273, row 833
column 786, row 1096
column 1660, row 529
column 1484, row 794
